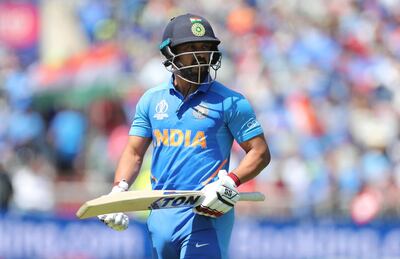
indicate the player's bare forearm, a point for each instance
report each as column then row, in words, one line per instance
column 131, row 159
column 256, row 159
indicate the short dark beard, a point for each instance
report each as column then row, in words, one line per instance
column 192, row 74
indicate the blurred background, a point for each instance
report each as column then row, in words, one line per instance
column 323, row 77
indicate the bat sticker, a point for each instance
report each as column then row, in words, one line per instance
column 175, row 202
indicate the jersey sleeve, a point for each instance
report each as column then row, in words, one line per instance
column 141, row 125
column 241, row 120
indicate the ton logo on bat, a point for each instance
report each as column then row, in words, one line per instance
column 174, row 202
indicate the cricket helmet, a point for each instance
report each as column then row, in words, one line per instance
column 190, row 28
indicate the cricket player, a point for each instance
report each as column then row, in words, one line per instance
column 191, row 121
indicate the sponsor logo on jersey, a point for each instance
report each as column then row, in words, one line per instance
column 175, row 202
column 252, row 123
column 201, row 245
column 161, row 110
column 200, row 111
column 177, row 138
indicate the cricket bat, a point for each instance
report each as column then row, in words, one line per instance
column 149, row 200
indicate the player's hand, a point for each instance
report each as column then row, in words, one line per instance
column 220, row 197
column 117, row 221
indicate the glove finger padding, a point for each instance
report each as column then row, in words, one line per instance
column 122, row 226
column 117, row 221
column 220, row 197
column 109, row 218
column 207, row 211
column 220, row 207
column 102, row 217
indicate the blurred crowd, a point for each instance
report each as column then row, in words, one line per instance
column 323, row 77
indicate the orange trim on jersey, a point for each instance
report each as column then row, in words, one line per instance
column 215, row 173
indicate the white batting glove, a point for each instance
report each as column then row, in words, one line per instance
column 220, row 196
column 117, row 221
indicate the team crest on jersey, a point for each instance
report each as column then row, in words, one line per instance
column 200, row 111
column 161, row 110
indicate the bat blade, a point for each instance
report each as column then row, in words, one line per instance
column 145, row 200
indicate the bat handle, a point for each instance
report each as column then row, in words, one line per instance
column 251, row 196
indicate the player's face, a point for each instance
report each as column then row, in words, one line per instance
column 202, row 53
column 196, row 57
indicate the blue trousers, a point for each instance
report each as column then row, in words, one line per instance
column 180, row 233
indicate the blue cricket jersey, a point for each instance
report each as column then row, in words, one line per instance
column 192, row 138
column 192, row 141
